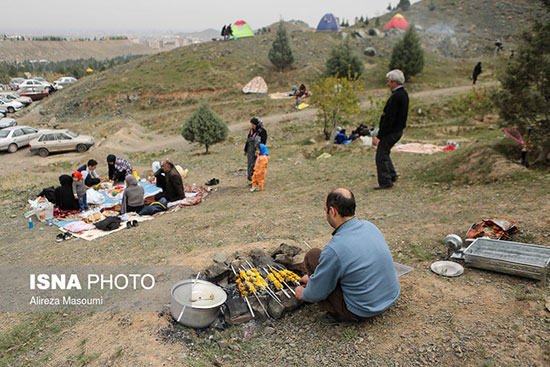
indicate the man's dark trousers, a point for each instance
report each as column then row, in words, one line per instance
column 384, row 165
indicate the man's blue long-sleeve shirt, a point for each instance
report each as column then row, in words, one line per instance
column 359, row 259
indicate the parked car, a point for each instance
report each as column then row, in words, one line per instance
column 33, row 93
column 15, row 137
column 14, row 83
column 16, row 97
column 60, row 140
column 11, row 106
column 7, row 122
column 63, row 81
column 33, row 83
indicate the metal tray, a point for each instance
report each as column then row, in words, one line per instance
column 530, row 261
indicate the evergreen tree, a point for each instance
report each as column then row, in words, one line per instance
column 408, row 55
column 524, row 98
column 280, row 53
column 342, row 59
column 404, row 5
column 205, row 127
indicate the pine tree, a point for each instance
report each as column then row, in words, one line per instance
column 205, row 127
column 524, row 98
column 342, row 59
column 280, row 53
column 408, row 55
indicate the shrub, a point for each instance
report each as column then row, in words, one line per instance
column 477, row 102
column 205, row 127
column 341, row 60
column 337, row 98
column 408, row 55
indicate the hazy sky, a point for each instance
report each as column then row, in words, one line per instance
column 59, row 16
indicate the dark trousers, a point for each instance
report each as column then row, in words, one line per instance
column 384, row 165
column 135, row 209
column 335, row 301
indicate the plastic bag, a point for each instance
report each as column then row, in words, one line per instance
column 94, row 197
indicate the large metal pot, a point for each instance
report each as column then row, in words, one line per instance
column 200, row 302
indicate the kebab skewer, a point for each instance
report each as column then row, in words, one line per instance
column 243, row 291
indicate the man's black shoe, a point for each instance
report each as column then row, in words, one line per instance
column 383, row 187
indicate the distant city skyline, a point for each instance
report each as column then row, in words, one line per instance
column 65, row 17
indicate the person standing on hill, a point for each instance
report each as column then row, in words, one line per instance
column 257, row 135
column 392, row 123
column 223, row 32
column 477, row 71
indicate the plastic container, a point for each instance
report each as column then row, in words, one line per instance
column 31, row 224
column 44, row 210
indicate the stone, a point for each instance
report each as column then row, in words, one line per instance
column 284, row 259
column 220, row 258
column 286, row 249
column 374, row 32
column 216, row 272
column 369, row 51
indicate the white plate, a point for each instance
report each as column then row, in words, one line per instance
column 447, row 268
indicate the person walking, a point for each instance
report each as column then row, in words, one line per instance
column 256, row 135
column 477, row 71
column 392, row 123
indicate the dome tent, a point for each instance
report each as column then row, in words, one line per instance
column 256, row 86
column 328, row 23
column 241, row 29
column 398, row 21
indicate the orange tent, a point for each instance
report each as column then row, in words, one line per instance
column 398, row 21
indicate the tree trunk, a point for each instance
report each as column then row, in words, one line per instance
column 543, row 156
column 206, row 148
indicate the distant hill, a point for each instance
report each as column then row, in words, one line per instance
column 204, row 36
column 63, row 50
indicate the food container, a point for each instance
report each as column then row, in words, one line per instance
column 200, row 302
column 530, row 261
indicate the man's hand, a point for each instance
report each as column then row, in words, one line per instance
column 304, row 280
column 375, row 141
column 299, row 290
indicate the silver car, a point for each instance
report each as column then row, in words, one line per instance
column 63, row 81
column 7, row 122
column 59, row 141
column 13, row 138
column 14, row 83
column 11, row 106
column 16, row 97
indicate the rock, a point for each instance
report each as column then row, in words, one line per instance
column 375, row 32
column 216, row 272
column 289, row 304
column 287, row 250
column 269, row 330
column 219, row 258
column 284, row 259
column 369, row 51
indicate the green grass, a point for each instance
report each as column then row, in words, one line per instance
column 30, row 333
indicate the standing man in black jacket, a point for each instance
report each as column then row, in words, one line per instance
column 392, row 123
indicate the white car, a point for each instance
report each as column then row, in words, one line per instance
column 10, row 105
column 33, row 83
column 13, row 138
column 16, row 97
column 63, row 81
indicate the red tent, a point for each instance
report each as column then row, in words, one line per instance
column 398, row 21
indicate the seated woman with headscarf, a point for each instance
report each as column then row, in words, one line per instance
column 132, row 198
column 118, row 168
column 64, row 196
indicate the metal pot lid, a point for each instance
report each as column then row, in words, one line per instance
column 203, row 295
column 447, row 268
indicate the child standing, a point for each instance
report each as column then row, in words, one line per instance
column 260, row 168
column 79, row 191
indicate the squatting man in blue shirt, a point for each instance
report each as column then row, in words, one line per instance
column 353, row 278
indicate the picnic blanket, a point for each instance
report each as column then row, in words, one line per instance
column 280, row 95
column 418, row 148
column 111, row 201
column 193, row 195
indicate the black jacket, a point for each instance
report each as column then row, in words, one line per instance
column 394, row 118
column 261, row 132
column 64, row 196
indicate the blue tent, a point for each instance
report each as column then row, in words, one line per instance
column 328, row 23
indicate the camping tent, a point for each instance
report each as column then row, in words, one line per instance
column 398, row 21
column 328, row 23
column 241, row 29
column 256, row 85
